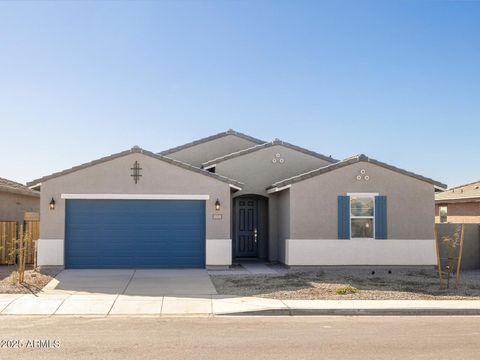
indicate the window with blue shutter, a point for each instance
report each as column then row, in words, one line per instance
column 344, row 217
column 381, row 217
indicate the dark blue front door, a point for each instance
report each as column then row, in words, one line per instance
column 246, row 228
column 134, row 234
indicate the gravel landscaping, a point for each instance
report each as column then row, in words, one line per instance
column 360, row 284
column 34, row 280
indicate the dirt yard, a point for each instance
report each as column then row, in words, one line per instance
column 34, row 280
column 361, row 284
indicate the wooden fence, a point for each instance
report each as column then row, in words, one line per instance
column 8, row 236
column 8, row 240
column 33, row 227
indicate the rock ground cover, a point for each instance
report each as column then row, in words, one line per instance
column 325, row 284
column 34, row 280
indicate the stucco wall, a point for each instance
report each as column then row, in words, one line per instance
column 283, row 223
column 113, row 177
column 198, row 154
column 257, row 171
column 460, row 213
column 13, row 206
column 273, row 228
column 410, row 202
column 306, row 252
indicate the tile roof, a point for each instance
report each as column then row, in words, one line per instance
column 453, row 195
column 17, row 188
column 474, row 184
column 210, row 138
column 264, row 146
column 346, row 162
column 133, row 150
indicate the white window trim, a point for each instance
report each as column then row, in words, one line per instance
column 372, row 195
column 135, row 197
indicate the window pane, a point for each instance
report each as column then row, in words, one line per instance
column 361, row 206
column 443, row 214
column 362, row 228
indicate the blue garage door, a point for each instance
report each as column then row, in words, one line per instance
column 134, row 234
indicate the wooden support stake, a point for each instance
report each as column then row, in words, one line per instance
column 20, row 255
column 25, row 251
column 459, row 262
column 439, row 261
column 3, row 244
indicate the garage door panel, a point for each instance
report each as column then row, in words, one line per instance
column 135, row 234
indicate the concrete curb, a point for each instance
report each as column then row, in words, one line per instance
column 358, row 312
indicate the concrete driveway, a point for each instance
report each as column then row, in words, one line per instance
column 157, row 282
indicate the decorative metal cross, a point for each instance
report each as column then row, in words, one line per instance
column 136, row 171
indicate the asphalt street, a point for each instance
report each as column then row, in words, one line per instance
column 322, row 337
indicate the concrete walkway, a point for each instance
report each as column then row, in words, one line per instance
column 213, row 305
column 251, row 268
column 257, row 268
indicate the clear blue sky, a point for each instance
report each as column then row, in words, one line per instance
column 396, row 80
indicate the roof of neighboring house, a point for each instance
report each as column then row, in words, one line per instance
column 264, row 146
column 475, row 184
column 16, row 188
column 346, row 162
column 460, row 193
column 136, row 150
column 210, row 138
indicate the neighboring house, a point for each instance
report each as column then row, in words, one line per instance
column 17, row 199
column 231, row 196
column 459, row 205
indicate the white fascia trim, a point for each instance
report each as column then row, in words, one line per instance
column 209, row 167
column 235, row 187
column 35, row 185
column 277, row 189
column 135, row 197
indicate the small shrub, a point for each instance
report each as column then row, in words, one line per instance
column 14, row 277
column 345, row 290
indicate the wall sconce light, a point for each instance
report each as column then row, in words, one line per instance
column 52, row 204
column 217, row 205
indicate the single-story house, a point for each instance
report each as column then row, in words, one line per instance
column 231, row 196
column 458, row 205
column 16, row 199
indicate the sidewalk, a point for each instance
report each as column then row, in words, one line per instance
column 218, row 305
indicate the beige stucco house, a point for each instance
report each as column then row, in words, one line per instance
column 231, row 196
column 15, row 200
column 458, row 205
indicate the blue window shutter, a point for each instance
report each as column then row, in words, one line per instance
column 344, row 217
column 381, row 217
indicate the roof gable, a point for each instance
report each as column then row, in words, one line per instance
column 265, row 146
column 137, row 150
column 211, row 138
column 349, row 161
